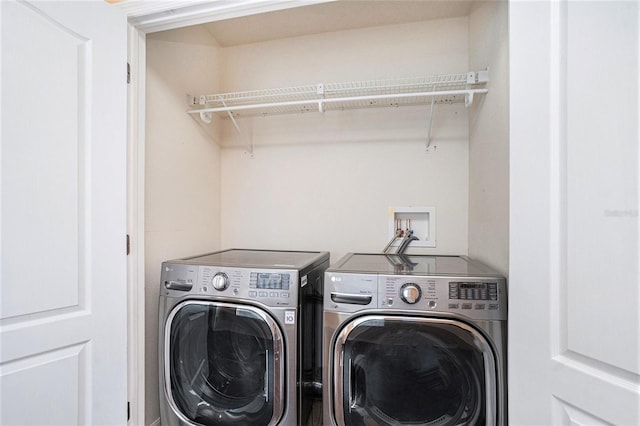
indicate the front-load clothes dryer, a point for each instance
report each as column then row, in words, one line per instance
column 239, row 337
column 414, row 340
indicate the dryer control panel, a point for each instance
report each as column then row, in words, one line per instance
column 478, row 298
column 267, row 286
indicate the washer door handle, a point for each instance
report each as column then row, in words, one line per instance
column 352, row 299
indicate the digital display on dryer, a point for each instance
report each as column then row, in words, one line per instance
column 473, row 290
column 271, row 281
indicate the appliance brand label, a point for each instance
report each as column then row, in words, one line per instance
column 290, row 317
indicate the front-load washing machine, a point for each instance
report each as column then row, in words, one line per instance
column 414, row 340
column 238, row 337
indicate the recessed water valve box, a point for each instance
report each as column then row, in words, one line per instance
column 420, row 220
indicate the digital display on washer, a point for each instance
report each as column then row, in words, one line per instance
column 473, row 290
column 269, row 280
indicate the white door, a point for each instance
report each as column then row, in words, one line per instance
column 574, row 321
column 63, row 262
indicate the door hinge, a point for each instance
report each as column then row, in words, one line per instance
column 128, row 73
column 128, row 245
column 128, row 411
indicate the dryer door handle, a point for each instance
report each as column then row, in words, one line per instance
column 352, row 402
column 353, row 299
column 266, row 377
column 181, row 285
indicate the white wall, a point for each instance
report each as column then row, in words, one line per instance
column 336, row 197
column 326, row 182
column 182, row 170
column 405, row 50
column 489, row 138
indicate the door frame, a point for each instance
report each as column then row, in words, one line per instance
column 136, row 58
column 145, row 18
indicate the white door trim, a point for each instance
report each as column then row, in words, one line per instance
column 136, row 58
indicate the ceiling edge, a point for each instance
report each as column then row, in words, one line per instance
column 167, row 15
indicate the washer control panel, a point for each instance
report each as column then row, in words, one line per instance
column 269, row 287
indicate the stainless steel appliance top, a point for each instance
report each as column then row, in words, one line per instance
column 426, row 265
column 267, row 259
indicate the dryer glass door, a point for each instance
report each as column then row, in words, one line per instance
column 224, row 364
column 412, row 370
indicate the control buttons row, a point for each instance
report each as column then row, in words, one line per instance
column 476, row 306
column 271, row 294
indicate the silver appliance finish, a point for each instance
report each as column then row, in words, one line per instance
column 261, row 288
column 450, row 298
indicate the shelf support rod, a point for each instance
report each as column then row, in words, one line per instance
column 468, row 99
column 235, row 124
column 320, row 93
column 433, row 100
column 206, row 117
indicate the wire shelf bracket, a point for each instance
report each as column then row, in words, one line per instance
column 433, row 90
column 430, row 125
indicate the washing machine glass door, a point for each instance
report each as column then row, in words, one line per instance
column 224, row 364
column 413, row 371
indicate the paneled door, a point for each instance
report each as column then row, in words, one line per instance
column 63, row 257
column 574, row 290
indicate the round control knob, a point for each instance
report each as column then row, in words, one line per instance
column 410, row 293
column 220, row 281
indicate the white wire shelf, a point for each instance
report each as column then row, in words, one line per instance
column 437, row 89
column 433, row 90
